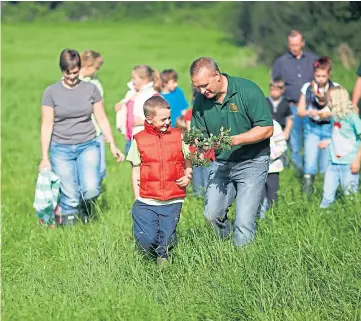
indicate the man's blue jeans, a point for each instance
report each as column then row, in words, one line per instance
column 296, row 139
column 316, row 158
column 244, row 182
column 200, row 180
column 337, row 174
column 154, row 227
column 78, row 167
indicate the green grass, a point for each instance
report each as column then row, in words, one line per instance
column 304, row 264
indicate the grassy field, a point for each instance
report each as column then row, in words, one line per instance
column 304, row 265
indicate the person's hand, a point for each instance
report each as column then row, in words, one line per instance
column 286, row 134
column 183, row 181
column 118, row 106
column 235, row 140
column 313, row 113
column 45, row 163
column 116, row 153
column 355, row 167
column 323, row 144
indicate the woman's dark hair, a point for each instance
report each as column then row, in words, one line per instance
column 69, row 59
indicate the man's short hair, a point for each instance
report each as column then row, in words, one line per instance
column 167, row 75
column 152, row 104
column 203, row 62
column 295, row 33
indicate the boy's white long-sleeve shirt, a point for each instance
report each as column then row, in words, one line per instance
column 278, row 146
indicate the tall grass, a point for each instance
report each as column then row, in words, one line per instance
column 304, row 264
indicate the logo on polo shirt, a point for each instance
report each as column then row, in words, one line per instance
column 233, row 107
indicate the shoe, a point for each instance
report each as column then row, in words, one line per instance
column 161, row 261
column 308, row 184
column 67, row 220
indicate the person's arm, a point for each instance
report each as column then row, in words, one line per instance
column 253, row 136
column 288, row 127
column 105, row 128
column 188, row 170
column 301, row 107
column 180, row 123
column 355, row 166
column 356, row 95
column 136, row 180
column 47, row 125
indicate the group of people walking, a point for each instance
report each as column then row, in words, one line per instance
column 303, row 104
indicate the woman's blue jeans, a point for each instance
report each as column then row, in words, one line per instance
column 78, row 167
column 316, row 159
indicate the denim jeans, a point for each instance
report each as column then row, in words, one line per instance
column 127, row 146
column 101, row 141
column 154, row 227
column 78, row 167
column 270, row 193
column 337, row 174
column 316, row 158
column 296, row 139
column 200, row 179
column 242, row 181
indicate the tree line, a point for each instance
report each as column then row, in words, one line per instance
column 329, row 27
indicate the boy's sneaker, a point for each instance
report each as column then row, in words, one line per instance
column 67, row 220
column 308, row 184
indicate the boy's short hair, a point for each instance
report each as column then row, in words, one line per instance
column 168, row 74
column 278, row 82
column 152, row 104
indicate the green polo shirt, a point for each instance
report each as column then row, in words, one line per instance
column 243, row 108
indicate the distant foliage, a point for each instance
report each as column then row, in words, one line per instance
column 328, row 27
column 325, row 26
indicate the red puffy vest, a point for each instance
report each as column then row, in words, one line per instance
column 162, row 163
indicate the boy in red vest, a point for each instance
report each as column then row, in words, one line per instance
column 160, row 177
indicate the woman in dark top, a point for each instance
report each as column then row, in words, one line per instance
column 69, row 136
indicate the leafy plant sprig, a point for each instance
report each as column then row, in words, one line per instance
column 195, row 138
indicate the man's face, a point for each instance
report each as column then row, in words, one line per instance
column 71, row 76
column 161, row 120
column 207, row 82
column 295, row 45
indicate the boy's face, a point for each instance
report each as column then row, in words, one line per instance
column 276, row 90
column 172, row 85
column 161, row 120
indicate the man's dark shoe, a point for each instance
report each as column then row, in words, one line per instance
column 308, row 184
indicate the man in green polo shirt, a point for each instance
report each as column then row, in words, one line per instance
column 239, row 174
